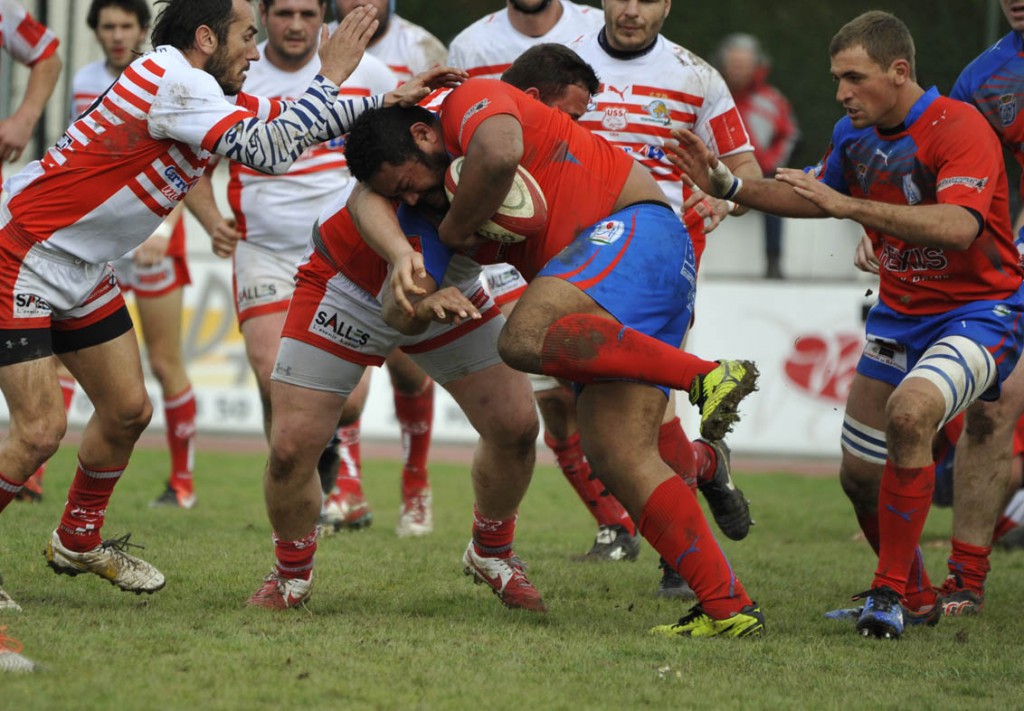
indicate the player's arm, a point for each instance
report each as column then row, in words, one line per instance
column 375, row 218
column 16, row 129
column 696, row 160
column 492, row 156
column 154, row 249
column 201, row 203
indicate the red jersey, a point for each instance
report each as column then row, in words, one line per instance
column 580, row 174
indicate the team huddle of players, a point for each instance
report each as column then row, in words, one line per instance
column 584, row 320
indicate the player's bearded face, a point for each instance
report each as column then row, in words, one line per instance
column 631, row 26
column 230, row 61
column 417, row 181
column 383, row 13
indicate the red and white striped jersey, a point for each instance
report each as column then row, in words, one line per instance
column 642, row 98
column 277, row 211
column 490, row 45
column 408, row 49
column 89, row 82
column 123, row 166
column 24, row 37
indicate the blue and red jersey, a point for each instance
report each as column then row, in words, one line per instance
column 943, row 153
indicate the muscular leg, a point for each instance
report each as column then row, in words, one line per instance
column 262, row 335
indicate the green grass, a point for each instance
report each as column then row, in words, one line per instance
column 394, row 624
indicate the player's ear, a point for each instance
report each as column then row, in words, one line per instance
column 533, row 93
column 205, row 40
column 424, row 134
column 668, row 7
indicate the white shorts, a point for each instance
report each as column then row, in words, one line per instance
column 504, row 282
column 334, row 329
column 264, row 280
column 153, row 280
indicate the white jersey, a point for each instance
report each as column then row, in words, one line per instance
column 490, row 45
column 23, row 36
column 643, row 98
column 408, row 49
column 90, row 82
column 276, row 212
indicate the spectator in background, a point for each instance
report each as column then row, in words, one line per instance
column 769, row 119
column 35, row 46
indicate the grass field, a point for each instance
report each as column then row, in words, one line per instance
column 394, row 624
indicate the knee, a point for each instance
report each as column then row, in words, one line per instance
column 134, row 416
column 860, row 482
column 42, row 438
column 515, row 349
column 909, row 425
column 516, row 436
column 288, row 458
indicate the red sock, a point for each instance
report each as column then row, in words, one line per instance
column 416, row 417
column 674, row 525
column 67, row 390
column 8, row 490
column 1003, row 526
column 86, row 507
column 295, row 558
column 904, row 500
column 588, row 349
column 350, row 474
column 493, row 538
column 970, row 564
column 604, row 507
column 180, row 414
column 679, row 452
column 920, row 592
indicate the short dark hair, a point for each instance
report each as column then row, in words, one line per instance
column 550, row 69
column 382, row 136
column 883, row 36
column 139, row 8
column 178, row 21
column 267, row 4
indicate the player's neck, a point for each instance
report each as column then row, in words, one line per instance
column 896, row 122
column 536, row 24
column 286, row 63
column 624, row 54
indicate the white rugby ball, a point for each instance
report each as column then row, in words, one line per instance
column 522, row 214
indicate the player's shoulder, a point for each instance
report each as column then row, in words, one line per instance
column 372, row 69
column 480, row 29
column 981, row 68
column 411, row 31
column 167, row 67
column 587, row 13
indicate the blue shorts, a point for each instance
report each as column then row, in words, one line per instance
column 897, row 341
column 638, row 265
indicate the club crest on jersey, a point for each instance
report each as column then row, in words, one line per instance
column 910, row 190
column 474, row 109
column 658, row 111
column 607, row 232
column 615, row 118
column 1007, row 108
column 30, row 306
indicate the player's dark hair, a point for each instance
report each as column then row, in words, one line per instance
column 383, row 136
column 550, row 69
column 883, row 36
column 178, row 21
column 139, row 8
column 267, row 4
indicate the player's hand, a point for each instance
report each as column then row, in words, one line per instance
column 449, row 305
column 690, row 155
column 805, row 185
column 14, row 136
column 404, row 272
column 152, row 251
column 341, row 52
column 411, row 92
column 865, row 258
column 701, row 208
column 224, row 238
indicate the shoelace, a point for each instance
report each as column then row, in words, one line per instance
column 695, row 613
column 884, row 599
column 8, row 644
column 120, row 544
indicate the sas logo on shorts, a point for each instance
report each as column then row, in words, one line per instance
column 334, row 328
column 607, row 232
column 31, row 306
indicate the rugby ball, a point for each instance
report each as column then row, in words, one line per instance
column 523, row 213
